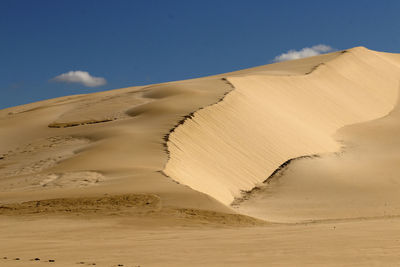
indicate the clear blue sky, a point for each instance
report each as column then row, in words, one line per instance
column 140, row 42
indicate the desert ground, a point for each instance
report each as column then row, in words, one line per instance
column 294, row 163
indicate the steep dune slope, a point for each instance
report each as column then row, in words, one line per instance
column 111, row 142
column 145, row 175
column 225, row 133
column 266, row 120
column 360, row 183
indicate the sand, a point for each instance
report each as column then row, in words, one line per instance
column 361, row 181
column 292, row 163
column 286, row 117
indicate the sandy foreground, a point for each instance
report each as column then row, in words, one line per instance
column 293, row 163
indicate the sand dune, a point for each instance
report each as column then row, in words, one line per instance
column 148, row 175
column 360, row 182
column 231, row 146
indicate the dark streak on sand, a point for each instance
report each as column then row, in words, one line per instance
column 73, row 124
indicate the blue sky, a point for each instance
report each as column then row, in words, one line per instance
column 141, row 42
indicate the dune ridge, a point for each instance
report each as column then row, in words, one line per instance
column 233, row 145
column 76, row 188
column 359, row 183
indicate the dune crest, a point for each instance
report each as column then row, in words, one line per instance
column 267, row 119
column 144, row 175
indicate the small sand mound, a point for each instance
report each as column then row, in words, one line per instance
column 220, row 218
column 163, row 91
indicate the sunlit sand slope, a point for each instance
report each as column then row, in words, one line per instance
column 266, row 120
column 104, row 143
column 359, row 183
column 144, row 176
column 112, row 142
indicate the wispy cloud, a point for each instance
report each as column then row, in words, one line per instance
column 82, row 77
column 305, row 52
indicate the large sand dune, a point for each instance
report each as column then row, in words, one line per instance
column 210, row 171
column 231, row 146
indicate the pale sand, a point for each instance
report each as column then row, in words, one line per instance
column 109, row 242
column 105, row 168
column 266, row 120
column 362, row 181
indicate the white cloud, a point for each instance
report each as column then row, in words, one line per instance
column 305, row 52
column 82, row 77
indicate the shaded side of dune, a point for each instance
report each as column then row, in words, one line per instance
column 360, row 183
column 231, row 146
